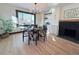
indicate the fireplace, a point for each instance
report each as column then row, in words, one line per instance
column 69, row 29
column 70, row 33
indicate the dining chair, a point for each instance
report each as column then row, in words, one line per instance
column 25, row 34
column 33, row 34
column 43, row 32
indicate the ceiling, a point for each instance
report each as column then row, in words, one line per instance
column 42, row 7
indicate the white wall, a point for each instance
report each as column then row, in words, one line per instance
column 39, row 19
column 54, row 23
column 53, row 19
column 70, row 6
column 7, row 10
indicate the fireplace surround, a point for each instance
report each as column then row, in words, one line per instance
column 69, row 29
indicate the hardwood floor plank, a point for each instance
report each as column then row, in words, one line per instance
column 13, row 45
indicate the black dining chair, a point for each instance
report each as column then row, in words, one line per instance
column 43, row 32
column 24, row 34
column 33, row 35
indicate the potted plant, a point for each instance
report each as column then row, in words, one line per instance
column 7, row 27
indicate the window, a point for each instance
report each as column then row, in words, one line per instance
column 25, row 18
column 14, row 19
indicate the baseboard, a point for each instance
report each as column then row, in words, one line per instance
column 4, row 35
column 69, row 38
column 15, row 32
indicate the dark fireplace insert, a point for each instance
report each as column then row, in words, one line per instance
column 69, row 29
column 70, row 32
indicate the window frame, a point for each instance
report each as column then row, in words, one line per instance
column 26, row 13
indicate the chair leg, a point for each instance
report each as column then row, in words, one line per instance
column 29, row 40
column 23, row 36
column 33, row 37
column 44, row 37
column 36, row 42
column 36, row 39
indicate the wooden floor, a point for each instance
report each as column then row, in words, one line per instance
column 13, row 45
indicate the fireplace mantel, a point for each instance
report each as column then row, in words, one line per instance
column 70, row 20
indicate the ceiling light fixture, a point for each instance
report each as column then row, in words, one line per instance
column 35, row 9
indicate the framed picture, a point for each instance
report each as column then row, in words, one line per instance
column 71, row 13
